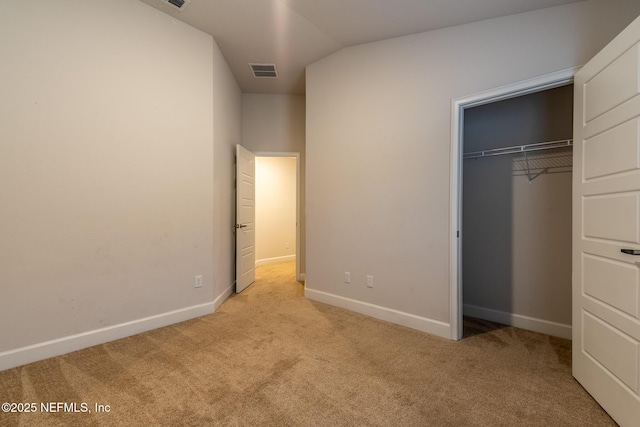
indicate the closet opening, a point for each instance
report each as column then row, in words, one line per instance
column 511, row 207
column 516, row 203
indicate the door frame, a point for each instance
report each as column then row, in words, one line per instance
column 458, row 105
column 296, row 154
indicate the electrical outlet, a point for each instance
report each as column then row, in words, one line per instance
column 347, row 277
column 198, row 281
column 369, row 281
column 286, row 245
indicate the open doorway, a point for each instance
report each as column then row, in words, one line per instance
column 516, row 202
column 278, row 208
column 461, row 105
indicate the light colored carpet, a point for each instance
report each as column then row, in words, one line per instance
column 271, row 357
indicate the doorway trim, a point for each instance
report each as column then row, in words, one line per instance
column 299, row 275
column 458, row 105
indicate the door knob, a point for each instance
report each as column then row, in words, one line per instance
column 630, row 251
column 241, row 225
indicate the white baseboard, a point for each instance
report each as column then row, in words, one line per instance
column 22, row 356
column 383, row 313
column 276, row 259
column 223, row 296
column 523, row 322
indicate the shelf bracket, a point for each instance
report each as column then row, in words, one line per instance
column 531, row 178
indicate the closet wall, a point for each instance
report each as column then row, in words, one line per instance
column 517, row 234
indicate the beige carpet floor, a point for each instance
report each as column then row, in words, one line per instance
column 270, row 357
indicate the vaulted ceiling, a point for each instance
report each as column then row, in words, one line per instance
column 295, row 33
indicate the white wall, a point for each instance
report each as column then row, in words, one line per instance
column 275, row 209
column 378, row 144
column 227, row 132
column 109, row 111
column 516, row 254
column 276, row 123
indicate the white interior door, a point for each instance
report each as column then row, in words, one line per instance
column 245, row 218
column 606, row 221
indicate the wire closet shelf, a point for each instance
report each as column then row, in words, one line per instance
column 538, row 163
column 519, row 149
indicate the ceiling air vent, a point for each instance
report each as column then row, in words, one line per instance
column 262, row 71
column 180, row 4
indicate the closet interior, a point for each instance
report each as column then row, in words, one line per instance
column 516, row 211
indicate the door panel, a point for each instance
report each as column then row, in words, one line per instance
column 614, row 351
column 624, row 323
column 606, row 219
column 612, row 282
column 245, row 218
column 612, row 152
column 600, row 96
column 611, row 217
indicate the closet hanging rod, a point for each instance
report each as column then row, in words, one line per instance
column 519, row 149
